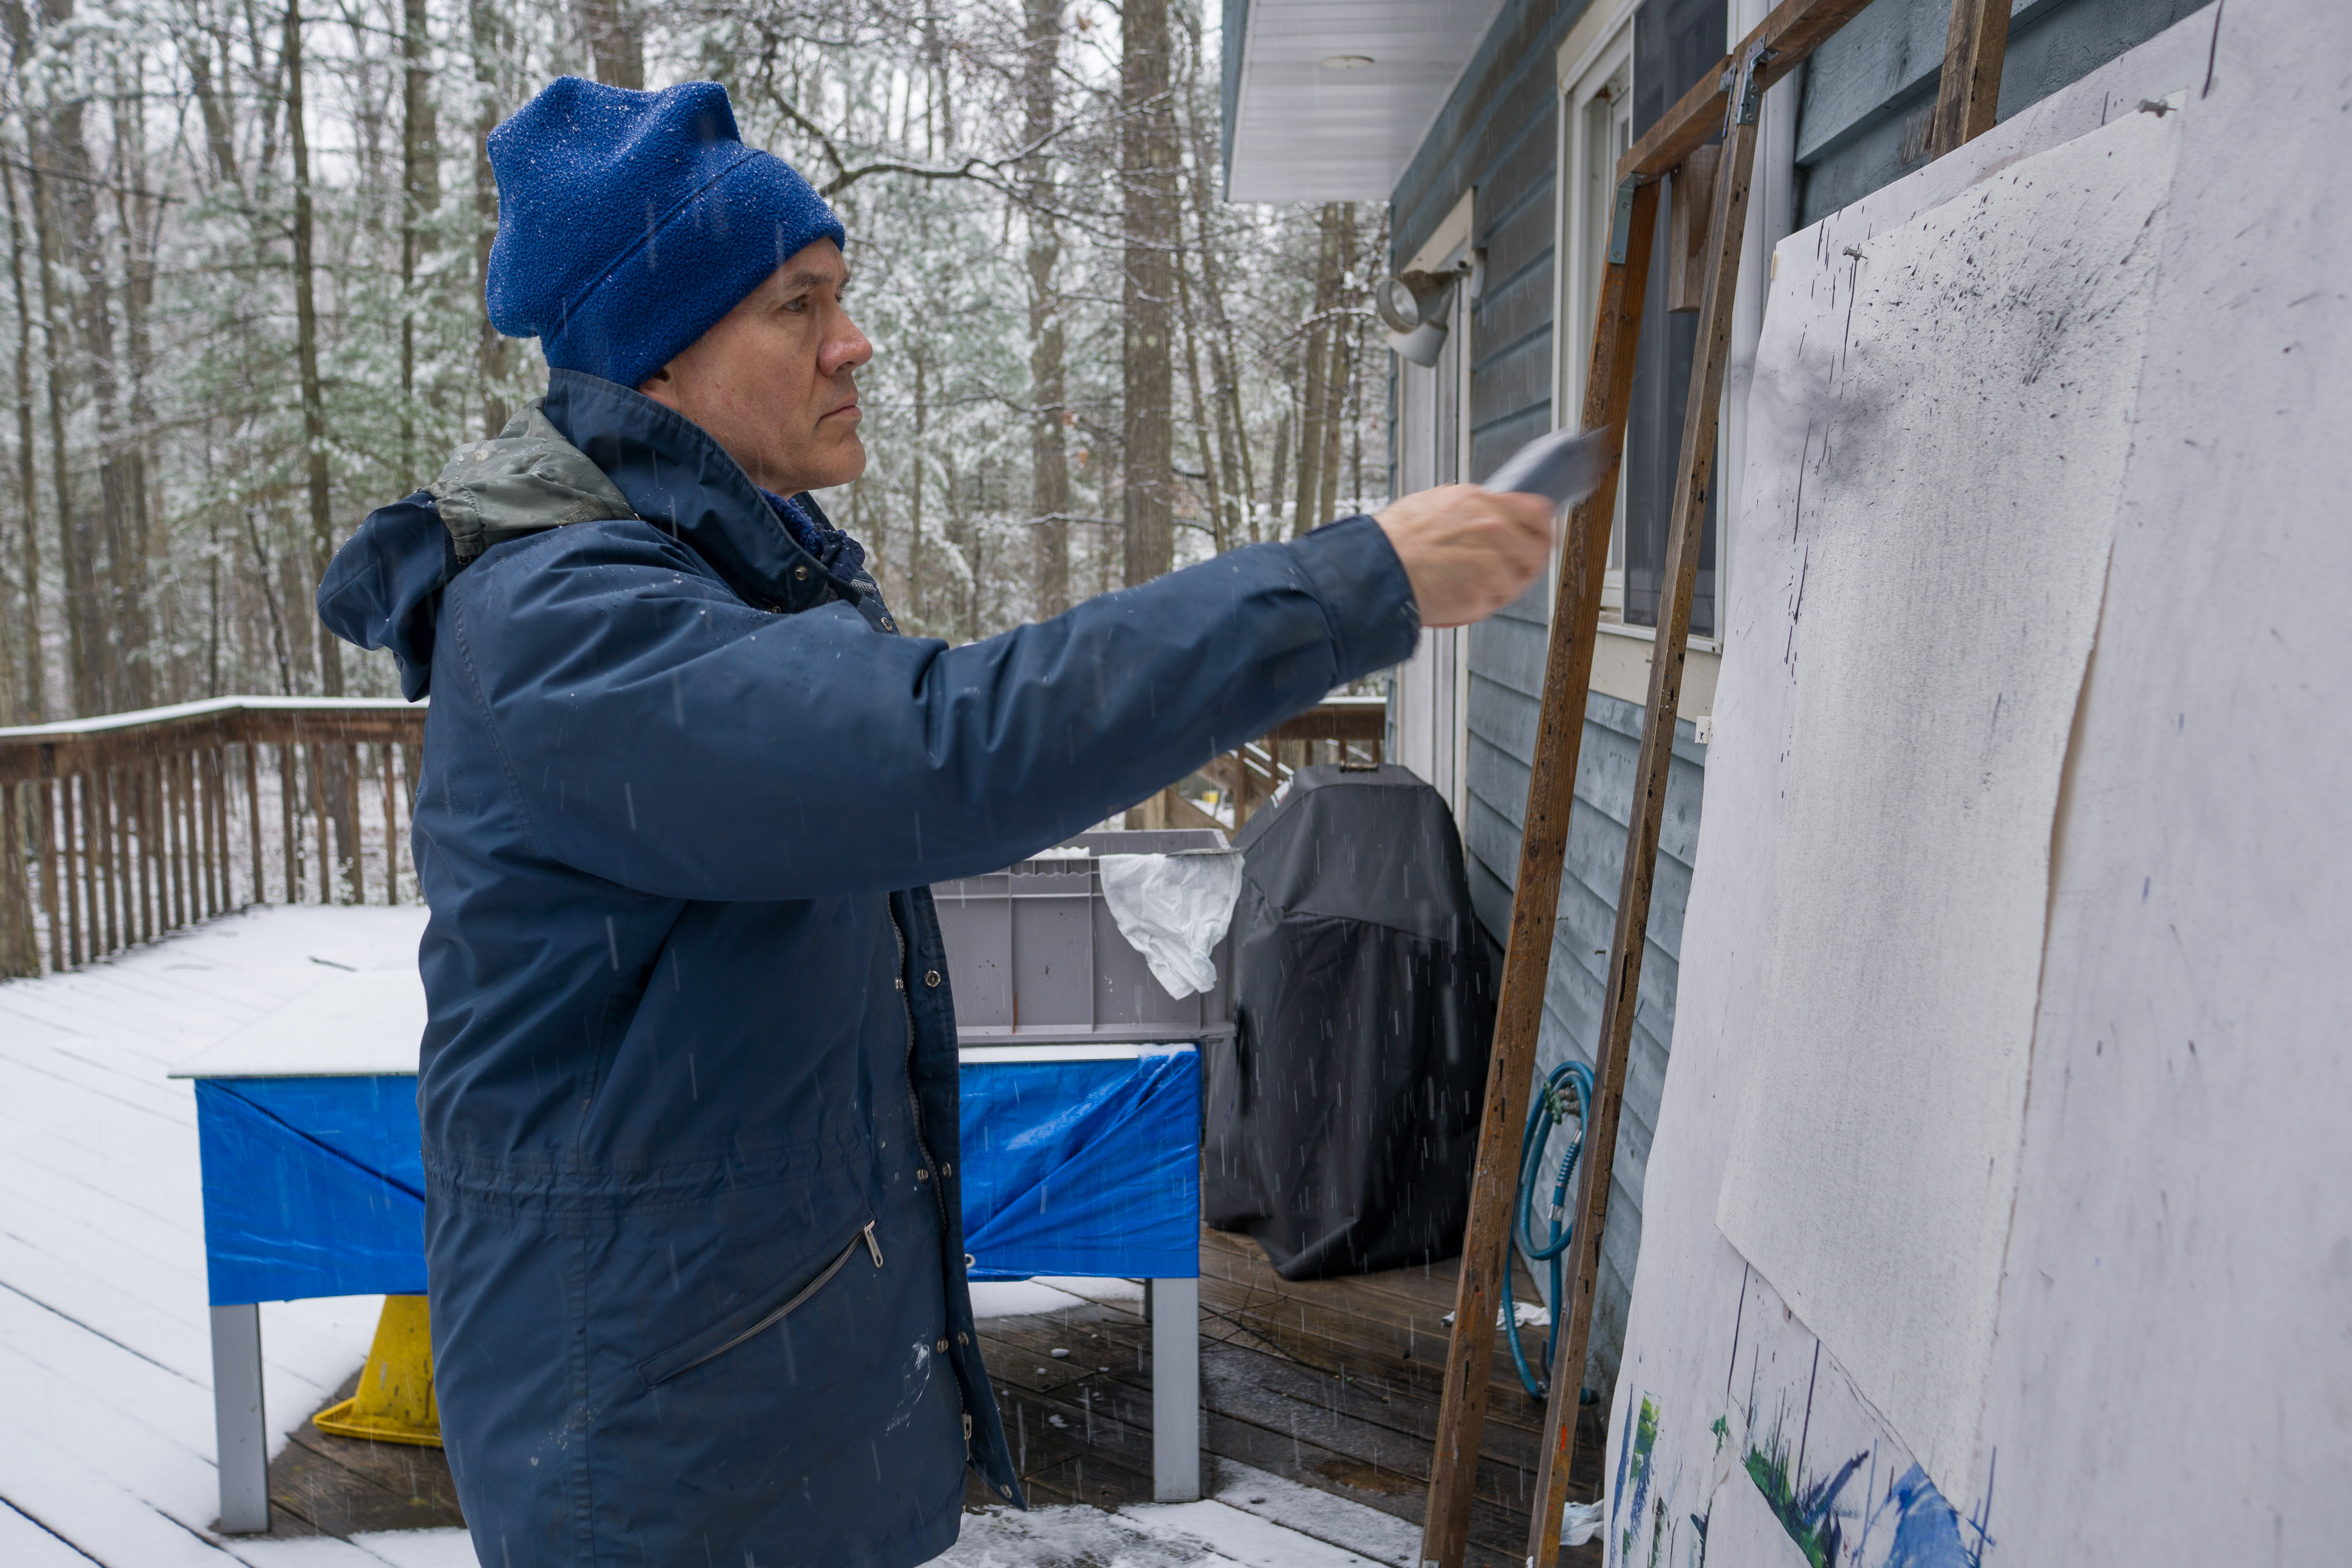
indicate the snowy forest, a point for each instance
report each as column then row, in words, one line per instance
column 244, row 305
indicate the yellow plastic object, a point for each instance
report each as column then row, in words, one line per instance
column 394, row 1401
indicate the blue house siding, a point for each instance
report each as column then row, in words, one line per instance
column 1506, row 683
column 1868, row 91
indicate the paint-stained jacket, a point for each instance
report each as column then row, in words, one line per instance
column 688, row 1088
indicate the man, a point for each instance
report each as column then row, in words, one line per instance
column 688, row 1088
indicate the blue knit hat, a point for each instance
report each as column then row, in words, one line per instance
column 629, row 222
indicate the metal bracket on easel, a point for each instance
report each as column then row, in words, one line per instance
column 1621, row 222
column 1743, row 84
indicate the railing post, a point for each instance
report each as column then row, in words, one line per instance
column 347, row 813
column 166, row 834
column 70, row 787
column 45, row 799
column 383, row 759
column 253, row 816
column 287, row 783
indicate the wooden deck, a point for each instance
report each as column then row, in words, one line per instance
column 1331, row 1384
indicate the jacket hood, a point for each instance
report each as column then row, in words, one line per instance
column 383, row 588
column 590, row 450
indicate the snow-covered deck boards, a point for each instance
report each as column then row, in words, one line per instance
column 106, row 1414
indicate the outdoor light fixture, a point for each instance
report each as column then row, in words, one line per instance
column 1346, row 62
column 1412, row 306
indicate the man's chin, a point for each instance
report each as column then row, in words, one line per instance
column 841, row 463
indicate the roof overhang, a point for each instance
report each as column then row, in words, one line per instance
column 1300, row 130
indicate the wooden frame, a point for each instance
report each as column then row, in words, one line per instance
column 1727, row 97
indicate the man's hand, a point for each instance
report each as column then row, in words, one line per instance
column 1467, row 551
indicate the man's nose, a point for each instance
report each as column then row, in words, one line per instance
column 846, row 348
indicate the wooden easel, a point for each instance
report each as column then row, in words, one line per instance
column 1728, row 97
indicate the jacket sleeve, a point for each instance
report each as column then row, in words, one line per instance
column 660, row 733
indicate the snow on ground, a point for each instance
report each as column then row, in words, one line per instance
column 106, row 1417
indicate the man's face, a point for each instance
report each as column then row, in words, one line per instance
column 774, row 381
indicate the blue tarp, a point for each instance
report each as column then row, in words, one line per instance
column 1083, row 1167
column 314, row 1186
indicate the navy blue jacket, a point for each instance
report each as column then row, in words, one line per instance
column 688, row 1088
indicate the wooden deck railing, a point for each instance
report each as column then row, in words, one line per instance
column 1338, row 729
column 121, row 828
column 116, row 830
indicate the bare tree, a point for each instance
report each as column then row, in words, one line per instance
column 1147, row 167
column 1049, row 452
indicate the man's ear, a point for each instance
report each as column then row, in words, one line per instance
column 660, row 387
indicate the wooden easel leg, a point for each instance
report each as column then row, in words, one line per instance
column 1969, row 94
column 1692, row 483
column 1551, row 786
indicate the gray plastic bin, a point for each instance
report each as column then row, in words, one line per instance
column 1035, row 959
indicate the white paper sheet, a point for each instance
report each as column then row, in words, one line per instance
column 1959, row 391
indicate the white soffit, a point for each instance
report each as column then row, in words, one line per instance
column 1306, row 131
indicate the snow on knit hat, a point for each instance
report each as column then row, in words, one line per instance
column 629, row 222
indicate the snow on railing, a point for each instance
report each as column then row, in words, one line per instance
column 121, row 827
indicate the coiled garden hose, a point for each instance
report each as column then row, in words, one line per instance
column 1569, row 1091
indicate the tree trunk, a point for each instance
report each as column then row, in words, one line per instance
column 420, row 193
column 1049, row 452
column 1231, row 439
column 328, row 774
column 306, row 346
column 219, row 138
column 1147, row 145
column 490, row 349
column 915, row 540
column 76, row 559
column 616, row 42
column 1281, row 473
column 1336, row 385
column 1312, row 413
column 30, row 673
column 1202, row 436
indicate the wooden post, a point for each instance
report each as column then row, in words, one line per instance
column 1968, row 96
column 316, row 754
column 1534, row 900
column 108, row 861
column 74, row 949
column 384, row 753
column 286, row 788
column 170, row 835
column 355, row 883
column 44, row 799
column 215, row 829
column 22, row 955
column 253, row 818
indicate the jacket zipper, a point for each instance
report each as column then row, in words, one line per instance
column 873, row 1247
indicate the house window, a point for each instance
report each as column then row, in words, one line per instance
column 1673, row 42
column 1596, row 119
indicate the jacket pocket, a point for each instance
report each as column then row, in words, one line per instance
column 753, row 1321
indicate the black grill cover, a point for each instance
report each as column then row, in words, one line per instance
column 1342, row 1118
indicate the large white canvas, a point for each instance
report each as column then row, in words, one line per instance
column 1961, row 390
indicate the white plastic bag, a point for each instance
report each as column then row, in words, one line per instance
column 1174, row 909
column 1580, row 1522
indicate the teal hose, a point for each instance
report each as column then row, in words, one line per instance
column 1569, row 1091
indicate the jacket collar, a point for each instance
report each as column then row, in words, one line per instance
column 680, row 480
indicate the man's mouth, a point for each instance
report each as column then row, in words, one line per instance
column 849, row 410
